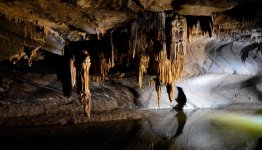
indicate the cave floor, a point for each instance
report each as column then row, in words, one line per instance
column 34, row 111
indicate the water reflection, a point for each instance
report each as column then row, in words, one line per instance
column 164, row 129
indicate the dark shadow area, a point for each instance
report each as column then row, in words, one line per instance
column 206, row 24
column 98, row 136
column 259, row 144
column 176, row 4
column 245, row 51
column 138, row 3
column 74, row 2
column 162, row 130
column 252, row 85
column 59, row 65
column 248, row 10
column 181, row 119
column 134, row 92
column 181, row 99
column 50, row 64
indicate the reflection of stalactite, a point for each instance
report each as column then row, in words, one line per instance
column 143, row 65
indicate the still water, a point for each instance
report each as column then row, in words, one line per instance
column 165, row 129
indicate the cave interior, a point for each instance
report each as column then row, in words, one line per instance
column 87, row 62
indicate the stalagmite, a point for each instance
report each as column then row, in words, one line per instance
column 143, row 65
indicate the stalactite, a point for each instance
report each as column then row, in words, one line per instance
column 158, row 90
column 165, row 73
column 105, row 66
column 82, row 74
column 133, row 39
column 113, row 53
column 86, row 66
column 164, row 67
column 31, row 54
column 25, row 35
column 199, row 25
column 260, row 46
column 98, row 79
column 143, row 65
column 171, row 91
column 73, row 71
column 196, row 29
column 161, row 23
column 178, row 46
column 170, row 70
column 150, row 82
column 14, row 59
column 210, row 31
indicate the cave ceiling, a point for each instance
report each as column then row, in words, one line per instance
column 50, row 24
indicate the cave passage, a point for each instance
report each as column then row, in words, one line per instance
column 131, row 74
